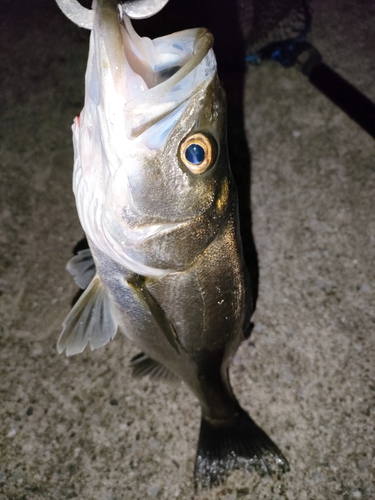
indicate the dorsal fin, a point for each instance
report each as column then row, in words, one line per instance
column 91, row 321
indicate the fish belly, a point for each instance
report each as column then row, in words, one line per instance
column 208, row 306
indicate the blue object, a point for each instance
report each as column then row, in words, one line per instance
column 284, row 52
column 194, row 154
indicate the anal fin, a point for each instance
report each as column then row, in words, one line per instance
column 90, row 322
column 238, row 444
column 142, row 366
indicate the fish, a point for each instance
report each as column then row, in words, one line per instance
column 158, row 204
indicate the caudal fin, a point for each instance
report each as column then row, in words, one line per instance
column 238, row 445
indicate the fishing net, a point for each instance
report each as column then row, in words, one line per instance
column 276, row 26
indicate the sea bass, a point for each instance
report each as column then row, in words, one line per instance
column 156, row 199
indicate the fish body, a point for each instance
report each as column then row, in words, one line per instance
column 157, row 201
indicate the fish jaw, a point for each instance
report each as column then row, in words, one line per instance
column 142, row 97
column 188, row 59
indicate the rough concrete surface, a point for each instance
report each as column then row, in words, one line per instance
column 81, row 428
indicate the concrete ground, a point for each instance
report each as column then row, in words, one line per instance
column 81, row 428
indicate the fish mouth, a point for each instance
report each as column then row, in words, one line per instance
column 163, row 73
column 154, row 77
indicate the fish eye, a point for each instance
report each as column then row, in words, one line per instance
column 197, row 153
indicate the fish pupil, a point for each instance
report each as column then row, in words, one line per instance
column 194, row 154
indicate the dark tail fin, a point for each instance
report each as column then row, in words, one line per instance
column 238, row 445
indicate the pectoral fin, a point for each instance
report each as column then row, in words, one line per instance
column 91, row 321
column 137, row 284
column 82, row 268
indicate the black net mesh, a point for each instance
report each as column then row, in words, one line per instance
column 277, row 20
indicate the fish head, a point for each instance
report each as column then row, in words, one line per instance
column 152, row 178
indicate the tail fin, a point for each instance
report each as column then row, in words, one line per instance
column 238, row 445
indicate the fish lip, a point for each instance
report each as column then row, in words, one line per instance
column 153, row 103
column 202, row 43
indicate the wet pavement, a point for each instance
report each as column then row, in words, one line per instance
column 81, row 427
